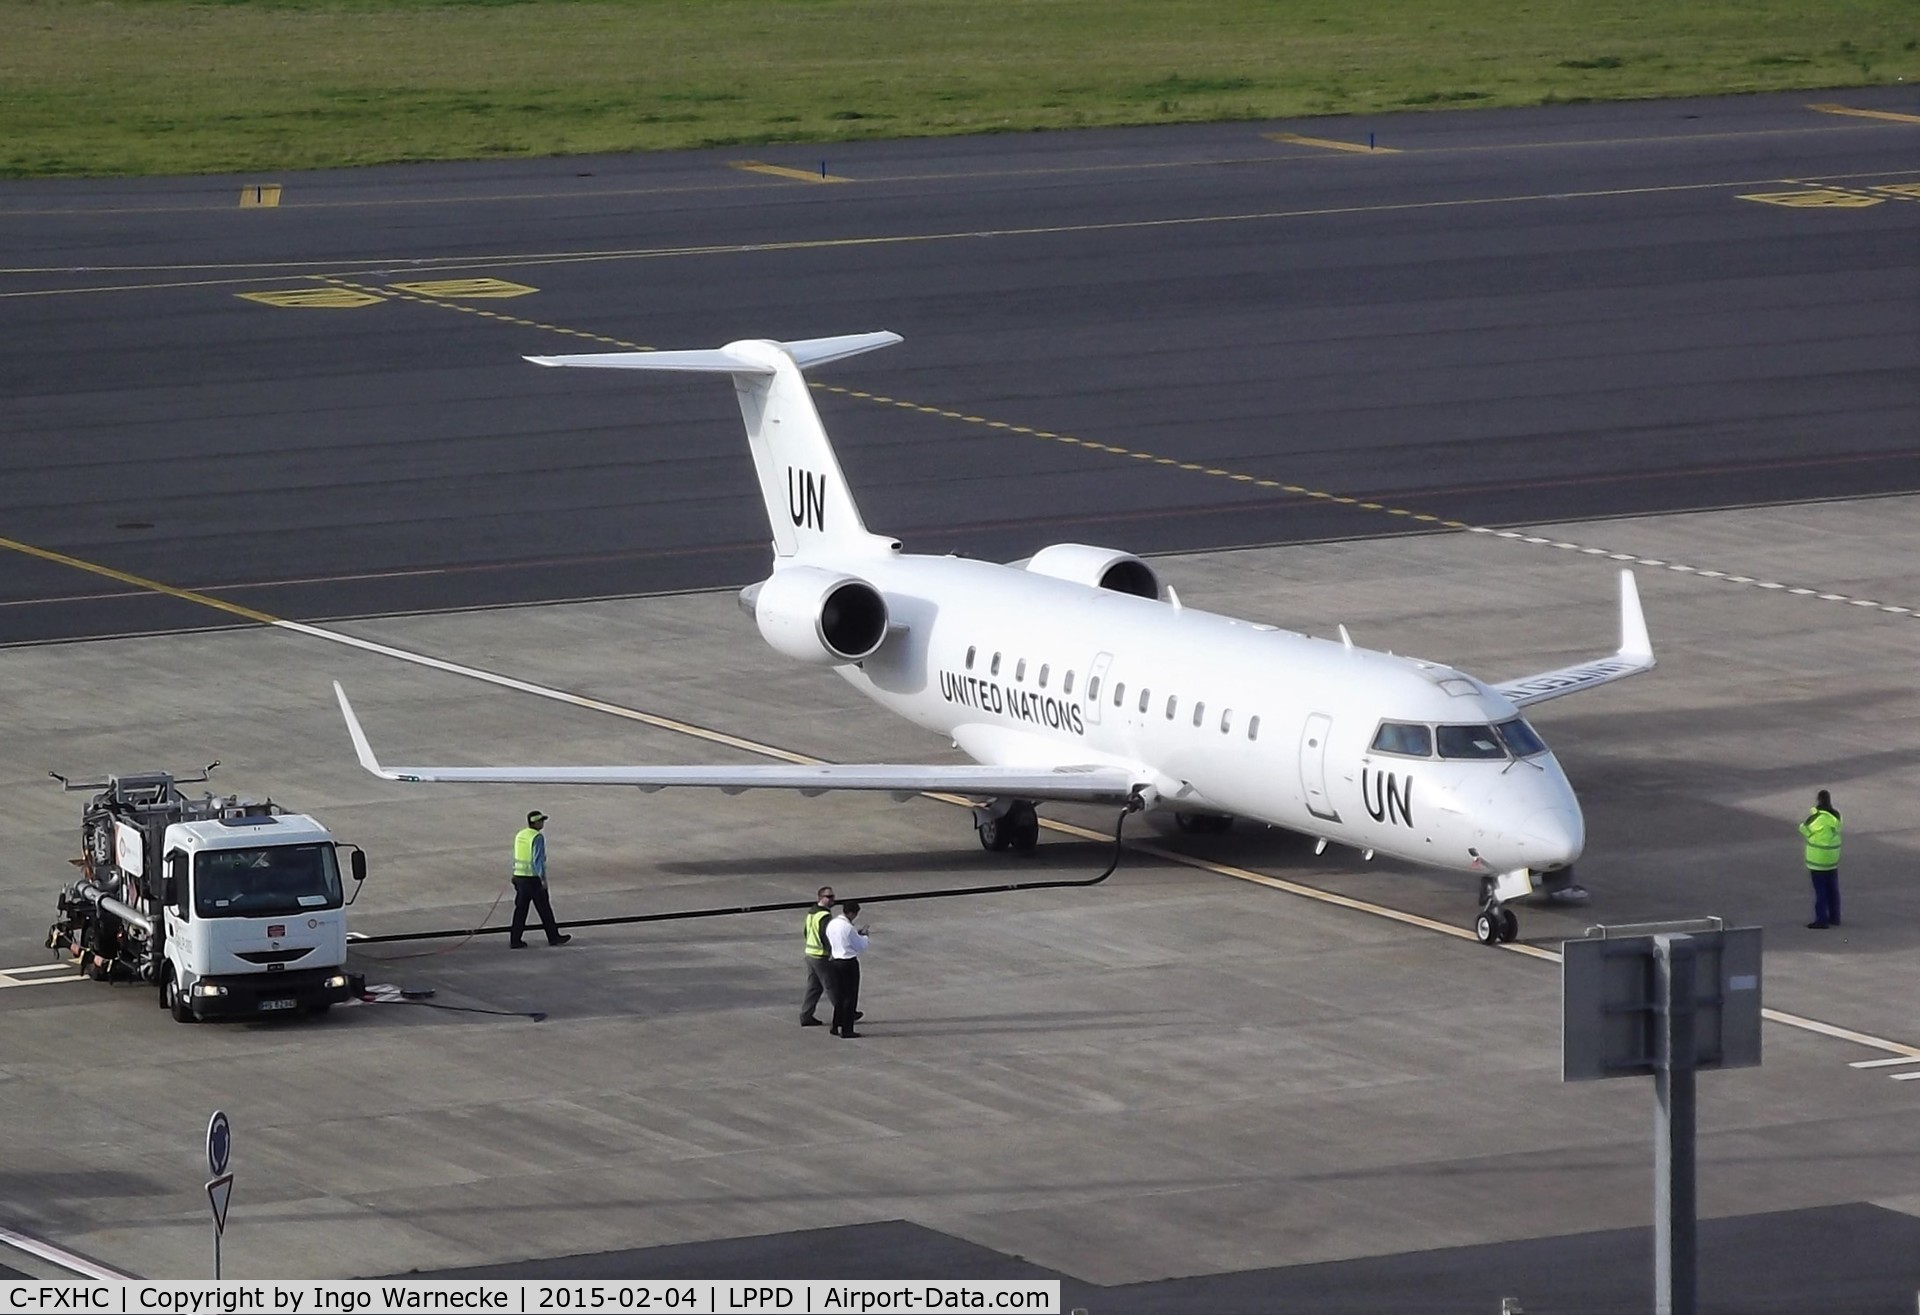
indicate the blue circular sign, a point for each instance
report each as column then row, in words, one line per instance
column 219, row 1143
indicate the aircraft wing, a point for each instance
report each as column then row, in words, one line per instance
column 1089, row 783
column 1634, row 656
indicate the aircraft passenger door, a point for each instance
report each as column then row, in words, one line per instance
column 1096, row 692
column 1313, row 766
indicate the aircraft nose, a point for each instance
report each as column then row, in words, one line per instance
column 1553, row 837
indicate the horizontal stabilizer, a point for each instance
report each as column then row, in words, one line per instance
column 1081, row 784
column 1634, row 656
column 726, row 360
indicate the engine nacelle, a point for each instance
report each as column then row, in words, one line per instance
column 818, row 616
column 1100, row 568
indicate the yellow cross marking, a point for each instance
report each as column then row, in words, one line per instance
column 315, row 298
column 1900, row 189
column 466, row 288
column 781, row 171
column 1866, row 114
column 1818, row 196
column 1326, row 143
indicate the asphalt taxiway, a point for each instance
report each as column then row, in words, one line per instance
column 1236, row 1076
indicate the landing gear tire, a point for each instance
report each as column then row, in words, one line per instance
column 1496, row 925
column 1026, row 827
column 175, row 1002
column 1017, row 828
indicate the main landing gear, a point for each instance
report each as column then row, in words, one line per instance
column 1497, row 924
column 1008, row 824
column 1203, row 823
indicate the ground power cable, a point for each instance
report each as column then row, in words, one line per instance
column 1134, row 804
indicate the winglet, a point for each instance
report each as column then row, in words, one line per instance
column 1635, row 644
column 360, row 745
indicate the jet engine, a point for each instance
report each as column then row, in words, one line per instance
column 818, row 616
column 1102, row 568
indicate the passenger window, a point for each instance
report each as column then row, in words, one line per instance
column 1199, row 713
column 1173, row 701
column 970, row 653
column 1146, row 697
column 1066, row 686
column 1093, row 688
column 994, row 670
column 1469, row 742
column 1119, row 693
column 1226, row 721
column 1020, row 671
column 1253, row 728
column 1403, row 737
column 1043, row 675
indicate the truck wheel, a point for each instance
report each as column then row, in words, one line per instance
column 176, row 1002
column 320, row 1010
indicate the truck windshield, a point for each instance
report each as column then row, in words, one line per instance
column 265, row 882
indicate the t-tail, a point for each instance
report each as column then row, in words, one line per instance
column 809, row 506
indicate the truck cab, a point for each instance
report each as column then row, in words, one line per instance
column 254, row 910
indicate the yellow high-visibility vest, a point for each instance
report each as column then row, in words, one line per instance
column 814, row 927
column 523, row 865
column 1822, row 830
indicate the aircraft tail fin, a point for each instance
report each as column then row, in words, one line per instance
column 809, row 506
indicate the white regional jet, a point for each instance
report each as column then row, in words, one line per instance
column 1076, row 676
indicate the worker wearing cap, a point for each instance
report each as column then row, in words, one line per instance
column 530, row 883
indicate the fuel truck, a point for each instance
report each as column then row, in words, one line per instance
column 232, row 907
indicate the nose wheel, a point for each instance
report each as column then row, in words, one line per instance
column 1496, row 925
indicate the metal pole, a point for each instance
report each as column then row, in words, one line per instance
column 216, row 1253
column 1675, row 1280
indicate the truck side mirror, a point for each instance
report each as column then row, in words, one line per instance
column 358, row 861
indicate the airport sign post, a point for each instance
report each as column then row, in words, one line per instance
column 220, row 1177
column 1668, row 1003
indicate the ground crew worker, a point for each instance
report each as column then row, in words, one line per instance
column 813, row 931
column 530, row 883
column 1822, row 830
column 846, row 943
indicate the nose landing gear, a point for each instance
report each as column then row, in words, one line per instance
column 1497, row 924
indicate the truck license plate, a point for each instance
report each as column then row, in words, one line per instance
column 278, row 1004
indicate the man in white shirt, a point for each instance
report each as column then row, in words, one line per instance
column 846, row 943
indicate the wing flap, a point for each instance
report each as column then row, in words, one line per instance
column 1081, row 783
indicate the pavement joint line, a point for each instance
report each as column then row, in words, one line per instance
column 751, row 746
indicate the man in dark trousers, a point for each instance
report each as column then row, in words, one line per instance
column 530, row 883
column 846, row 943
column 1822, row 832
column 813, row 932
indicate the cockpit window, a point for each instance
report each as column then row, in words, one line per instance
column 1469, row 742
column 1521, row 738
column 1403, row 737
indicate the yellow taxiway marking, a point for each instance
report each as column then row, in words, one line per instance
column 1891, row 116
column 466, row 289
column 1807, row 198
column 1327, row 143
column 784, row 755
column 1906, row 191
column 260, row 196
column 315, row 298
column 781, row 171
